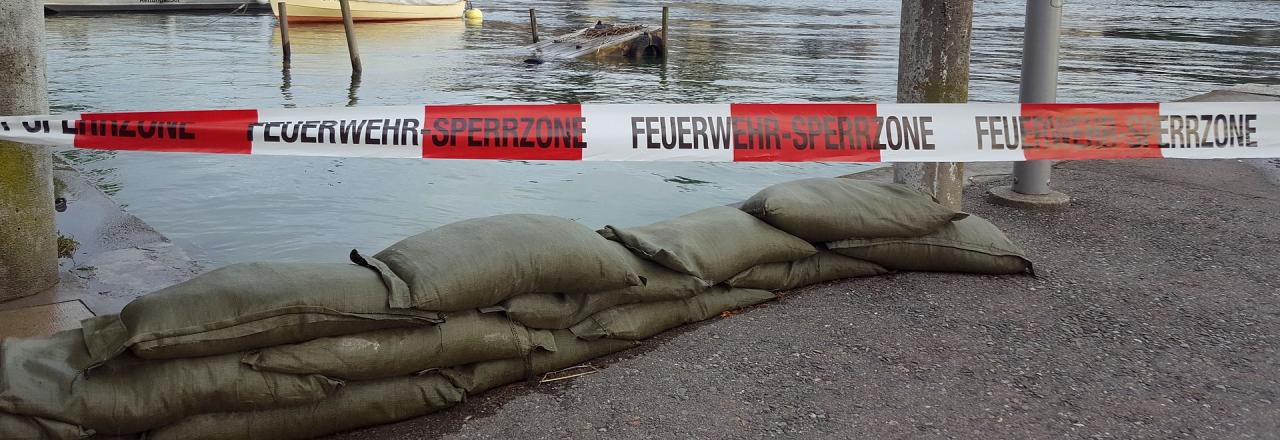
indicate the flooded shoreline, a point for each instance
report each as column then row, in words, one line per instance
column 228, row 209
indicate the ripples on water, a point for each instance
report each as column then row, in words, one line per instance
column 238, row 208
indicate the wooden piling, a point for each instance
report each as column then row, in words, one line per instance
column 533, row 25
column 666, row 13
column 350, row 28
column 284, row 29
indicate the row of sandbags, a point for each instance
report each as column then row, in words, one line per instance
column 269, row 350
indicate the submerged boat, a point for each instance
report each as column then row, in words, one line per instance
column 602, row 42
column 302, row 11
column 59, row 6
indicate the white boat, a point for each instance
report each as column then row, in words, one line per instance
column 60, row 6
column 302, row 11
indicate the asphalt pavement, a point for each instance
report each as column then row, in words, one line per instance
column 1155, row 313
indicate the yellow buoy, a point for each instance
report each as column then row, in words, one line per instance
column 474, row 14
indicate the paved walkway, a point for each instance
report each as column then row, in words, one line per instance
column 1156, row 314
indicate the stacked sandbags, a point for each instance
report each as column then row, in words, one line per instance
column 891, row 225
column 563, row 310
column 713, row 244
column 177, row 352
column 280, row 351
column 265, row 350
column 356, row 405
column 820, row 267
column 643, row 320
column 387, row 400
column 829, row 209
column 481, row 262
column 250, row 305
column 45, row 379
column 969, row 245
column 16, row 427
column 463, row 338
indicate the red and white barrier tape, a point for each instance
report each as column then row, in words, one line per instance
column 695, row 132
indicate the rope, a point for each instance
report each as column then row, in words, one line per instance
column 240, row 10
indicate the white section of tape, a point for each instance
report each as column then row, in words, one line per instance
column 392, row 132
column 1208, row 130
column 658, row 132
column 31, row 129
column 957, row 132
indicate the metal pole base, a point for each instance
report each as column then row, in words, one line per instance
column 1005, row 195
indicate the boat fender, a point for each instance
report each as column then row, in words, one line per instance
column 471, row 13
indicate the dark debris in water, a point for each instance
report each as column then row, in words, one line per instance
column 611, row 31
column 685, row 180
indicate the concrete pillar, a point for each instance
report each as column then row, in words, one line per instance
column 28, row 237
column 933, row 66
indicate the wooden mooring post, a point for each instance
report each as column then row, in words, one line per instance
column 284, row 30
column 666, row 13
column 350, row 27
column 533, row 25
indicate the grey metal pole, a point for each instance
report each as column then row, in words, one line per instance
column 1039, row 82
column 284, row 29
column 349, row 26
column 933, row 66
column 28, row 236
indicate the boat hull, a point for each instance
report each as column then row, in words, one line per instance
column 65, row 6
column 310, row 11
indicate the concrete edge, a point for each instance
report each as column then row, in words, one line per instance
column 117, row 257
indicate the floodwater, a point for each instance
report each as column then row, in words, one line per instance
column 227, row 209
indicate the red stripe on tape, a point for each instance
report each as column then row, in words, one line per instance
column 203, row 131
column 1091, row 131
column 513, row 132
column 804, row 132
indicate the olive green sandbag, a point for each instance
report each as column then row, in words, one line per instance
column 563, row 310
column 821, row 267
column 480, row 262
column 830, row 209
column 43, row 377
column 712, row 244
column 357, row 405
column 640, row 321
column 570, row 351
column 16, row 427
column 970, row 245
column 464, row 338
column 368, row 403
column 246, row 306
